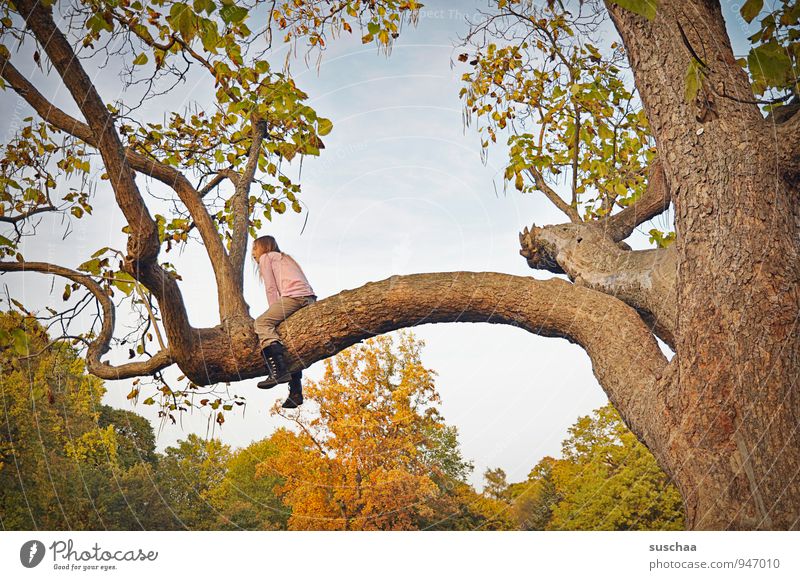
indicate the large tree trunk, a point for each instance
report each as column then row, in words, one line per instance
column 733, row 404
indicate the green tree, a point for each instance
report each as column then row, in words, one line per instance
column 136, row 440
column 533, row 500
column 66, row 460
column 55, row 458
column 606, row 480
column 244, row 500
column 188, row 475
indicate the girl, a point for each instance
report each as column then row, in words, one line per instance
column 288, row 290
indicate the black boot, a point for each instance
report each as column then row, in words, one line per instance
column 276, row 366
column 295, row 398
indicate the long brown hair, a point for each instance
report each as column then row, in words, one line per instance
column 264, row 245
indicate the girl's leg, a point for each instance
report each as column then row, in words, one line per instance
column 271, row 347
column 295, row 398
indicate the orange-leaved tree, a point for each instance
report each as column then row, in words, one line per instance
column 376, row 453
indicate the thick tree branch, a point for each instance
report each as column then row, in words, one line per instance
column 644, row 279
column 241, row 203
column 98, row 347
column 654, row 201
column 624, row 353
column 42, row 106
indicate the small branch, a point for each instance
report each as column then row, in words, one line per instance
column 152, row 316
column 211, row 185
column 575, row 156
column 23, row 216
column 98, row 347
column 689, row 46
column 51, row 344
column 654, row 201
column 551, row 194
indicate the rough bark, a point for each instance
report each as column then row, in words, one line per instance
column 643, row 279
column 734, row 409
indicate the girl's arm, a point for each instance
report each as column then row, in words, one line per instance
column 267, row 275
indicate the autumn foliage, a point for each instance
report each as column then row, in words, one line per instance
column 372, row 456
column 370, row 452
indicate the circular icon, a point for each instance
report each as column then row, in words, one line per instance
column 31, row 553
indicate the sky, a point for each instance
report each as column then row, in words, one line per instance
column 400, row 188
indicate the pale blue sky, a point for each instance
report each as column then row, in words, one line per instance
column 400, row 188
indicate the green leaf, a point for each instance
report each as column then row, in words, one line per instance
column 207, row 5
column 693, row 80
column 750, row 9
column 646, row 8
column 232, row 14
column 209, row 35
column 91, row 266
column 324, row 126
column 183, row 19
column 140, row 59
column 124, row 282
column 100, row 252
column 770, row 63
column 20, row 341
column 97, row 23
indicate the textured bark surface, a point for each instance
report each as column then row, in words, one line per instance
column 547, row 308
column 643, row 279
column 734, row 408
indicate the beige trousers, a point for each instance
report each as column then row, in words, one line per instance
column 266, row 324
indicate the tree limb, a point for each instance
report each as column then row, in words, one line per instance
column 98, row 347
column 241, row 203
column 643, row 279
column 654, row 201
column 625, row 356
column 143, row 242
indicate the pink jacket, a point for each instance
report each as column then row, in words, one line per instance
column 282, row 276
